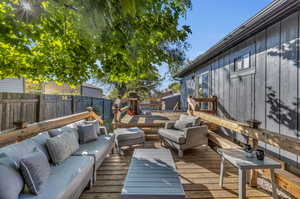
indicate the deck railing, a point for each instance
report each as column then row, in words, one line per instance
column 285, row 180
column 16, row 135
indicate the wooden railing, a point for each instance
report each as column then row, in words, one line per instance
column 206, row 105
column 117, row 111
column 16, row 135
column 284, row 179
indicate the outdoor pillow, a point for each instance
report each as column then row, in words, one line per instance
column 195, row 120
column 70, row 129
column 11, row 181
column 35, row 169
column 96, row 125
column 182, row 124
column 62, row 146
column 87, row 133
column 54, row 132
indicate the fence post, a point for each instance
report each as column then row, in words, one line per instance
column 41, row 108
column 73, row 104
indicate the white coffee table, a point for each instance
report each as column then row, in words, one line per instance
column 238, row 158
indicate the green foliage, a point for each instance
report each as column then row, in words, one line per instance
column 62, row 40
column 175, row 86
column 114, row 93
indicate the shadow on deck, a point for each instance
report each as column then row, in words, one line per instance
column 199, row 172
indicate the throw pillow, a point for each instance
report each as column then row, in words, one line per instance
column 182, row 124
column 54, row 132
column 62, row 146
column 96, row 125
column 87, row 133
column 11, row 181
column 35, row 169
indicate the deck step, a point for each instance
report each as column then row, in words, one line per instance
column 152, row 137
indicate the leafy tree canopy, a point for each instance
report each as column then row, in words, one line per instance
column 175, row 86
column 74, row 40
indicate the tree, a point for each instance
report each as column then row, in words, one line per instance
column 175, row 86
column 63, row 40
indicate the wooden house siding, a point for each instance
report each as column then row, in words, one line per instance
column 269, row 91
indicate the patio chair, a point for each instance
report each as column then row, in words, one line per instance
column 185, row 133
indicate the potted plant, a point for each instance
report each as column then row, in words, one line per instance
column 254, row 123
column 20, row 124
column 249, row 151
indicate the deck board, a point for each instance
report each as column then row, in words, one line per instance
column 199, row 172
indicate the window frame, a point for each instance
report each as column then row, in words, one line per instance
column 245, row 58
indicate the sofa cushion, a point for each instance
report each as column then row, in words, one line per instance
column 11, row 181
column 87, row 133
column 55, row 132
column 96, row 125
column 62, row 146
column 174, row 135
column 67, row 180
column 41, row 140
column 182, row 124
column 195, row 120
column 98, row 148
column 35, row 169
column 19, row 150
column 124, row 134
column 73, row 127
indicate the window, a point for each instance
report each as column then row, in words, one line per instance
column 242, row 62
column 202, row 85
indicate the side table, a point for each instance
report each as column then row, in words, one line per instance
column 238, row 158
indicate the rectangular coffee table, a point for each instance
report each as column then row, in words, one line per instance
column 152, row 175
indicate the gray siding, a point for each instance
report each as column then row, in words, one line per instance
column 270, row 93
column 12, row 85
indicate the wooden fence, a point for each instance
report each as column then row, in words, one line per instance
column 35, row 108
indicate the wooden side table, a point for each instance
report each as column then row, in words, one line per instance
column 238, row 158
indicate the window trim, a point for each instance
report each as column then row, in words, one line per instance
column 243, row 71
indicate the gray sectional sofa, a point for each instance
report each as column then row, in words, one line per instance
column 68, row 179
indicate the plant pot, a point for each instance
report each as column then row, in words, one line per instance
column 260, row 154
column 254, row 123
column 21, row 124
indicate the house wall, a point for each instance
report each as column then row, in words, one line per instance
column 12, row 85
column 90, row 92
column 269, row 92
column 52, row 88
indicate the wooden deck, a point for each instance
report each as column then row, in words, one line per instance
column 199, row 171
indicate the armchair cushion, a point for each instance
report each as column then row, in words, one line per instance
column 195, row 120
column 173, row 135
column 169, row 125
column 182, row 124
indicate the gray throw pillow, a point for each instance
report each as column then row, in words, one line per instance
column 96, row 125
column 35, row 169
column 11, row 181
column 182, row 124
column 54, row 132
column 62, row 146
column 87, row 133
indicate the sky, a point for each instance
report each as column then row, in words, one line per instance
column 212, row 20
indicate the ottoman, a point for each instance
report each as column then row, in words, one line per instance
column 128, row 137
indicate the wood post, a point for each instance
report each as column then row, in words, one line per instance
column 253, row 173
column 73, row 104
column 90, row 110
column 41, row 108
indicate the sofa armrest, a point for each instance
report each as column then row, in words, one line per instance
column 196, row 134
column 169, row 125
